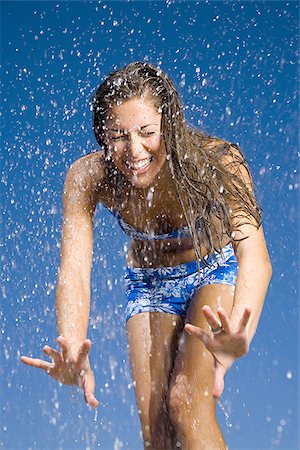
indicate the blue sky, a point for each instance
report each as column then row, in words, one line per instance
column 235, row 66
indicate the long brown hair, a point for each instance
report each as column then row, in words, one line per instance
column 207, row 171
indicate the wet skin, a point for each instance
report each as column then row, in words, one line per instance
column 138, row 151
column 134, row 136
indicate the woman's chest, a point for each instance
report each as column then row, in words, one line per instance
column 154, row 220
column 160, row 214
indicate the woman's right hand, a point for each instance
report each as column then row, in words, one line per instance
column 67, row 368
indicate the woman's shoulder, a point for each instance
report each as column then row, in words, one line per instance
column 224, row 152
column 87, row 174
column 212, row 144
column 89, row 166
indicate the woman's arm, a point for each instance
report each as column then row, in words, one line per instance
column 73, row 287
column 254, row 275
column 72, row 365
column 254, row 266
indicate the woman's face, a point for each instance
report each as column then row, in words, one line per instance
column 135, row 140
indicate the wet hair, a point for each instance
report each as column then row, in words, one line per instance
column 208, row 172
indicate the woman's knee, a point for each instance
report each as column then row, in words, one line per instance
column 188, row 403
column 179, row 399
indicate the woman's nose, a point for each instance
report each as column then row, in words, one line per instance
column 135, row 147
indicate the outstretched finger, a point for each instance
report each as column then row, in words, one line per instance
column 224, row 320
column 88, row 390
column 219, row 374
column 211, row 317
column 62, row 342
column 52, row 354
column 83, row 352
column 203, row 335
column 35, row 362
column 244, row 319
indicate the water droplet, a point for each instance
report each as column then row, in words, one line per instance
column 228, row 423
column 96, row 415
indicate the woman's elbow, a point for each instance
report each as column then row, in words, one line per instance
column 266, row 270
column 268, row 264
column 270, row 268
column 266, row 267
column 261, row 264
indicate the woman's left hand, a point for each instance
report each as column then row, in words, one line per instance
column 226, row 346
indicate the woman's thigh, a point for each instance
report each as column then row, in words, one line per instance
column 152, row 339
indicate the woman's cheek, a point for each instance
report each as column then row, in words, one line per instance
column 119, row 159
column 154, row 144
column 117, row 151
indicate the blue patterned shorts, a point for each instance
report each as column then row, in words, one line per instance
column 170, row 289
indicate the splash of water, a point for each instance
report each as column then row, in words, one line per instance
column 96, row 415
column 227, row 418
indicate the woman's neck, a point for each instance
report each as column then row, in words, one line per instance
column 162, row 188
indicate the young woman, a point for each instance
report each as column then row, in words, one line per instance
column 197, row 270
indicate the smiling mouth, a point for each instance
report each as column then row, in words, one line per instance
column 140, row 166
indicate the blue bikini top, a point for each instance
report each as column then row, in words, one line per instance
column 134, row 233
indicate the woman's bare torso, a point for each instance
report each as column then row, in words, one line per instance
column 164, row 214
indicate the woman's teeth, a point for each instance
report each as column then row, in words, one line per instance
column 140, row 164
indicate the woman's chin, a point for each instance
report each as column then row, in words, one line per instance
column 141, row 182
column 141, row 179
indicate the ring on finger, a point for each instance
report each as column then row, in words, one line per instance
column 217, row 330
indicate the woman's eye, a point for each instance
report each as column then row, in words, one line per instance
column 147, row 133
column 116, row 138
column 142, row 133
